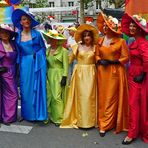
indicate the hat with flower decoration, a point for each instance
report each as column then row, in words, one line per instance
column 127, row 19
column 53, row 34
column 60, row 28
column 110, row 21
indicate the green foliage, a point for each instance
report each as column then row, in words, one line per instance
column 38, row 4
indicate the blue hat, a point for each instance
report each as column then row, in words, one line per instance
column 16, row 18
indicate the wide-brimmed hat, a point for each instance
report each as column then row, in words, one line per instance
column 9, row 29
column 110, row 21
column 72, row 29
column 16, row 18
column 83, row 27
column 53, row 34
column 127, row 19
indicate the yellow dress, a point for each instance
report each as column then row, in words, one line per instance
column 112, row 86
column 81, row 106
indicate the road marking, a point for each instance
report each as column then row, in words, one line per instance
column 16, row 128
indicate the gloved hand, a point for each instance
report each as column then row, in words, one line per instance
column 104, row 62
column 3, row 69
column 63, row 81
column 140, row 78
column 34, row 55
column 116, row 62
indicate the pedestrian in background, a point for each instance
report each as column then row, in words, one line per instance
column 32, row 61
column 70, row 42
column 8, row 84
column 135, row 26
column 111, row 55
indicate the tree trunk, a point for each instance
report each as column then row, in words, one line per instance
column 81, row 11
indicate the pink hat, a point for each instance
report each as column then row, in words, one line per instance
column 127, row 19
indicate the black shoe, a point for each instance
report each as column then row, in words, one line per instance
column 124, row 142
column 102, row 134
column 20, row 119
column 57, row 124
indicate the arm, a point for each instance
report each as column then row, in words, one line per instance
column 73, row 55
column 65, row 62
column 124, row 53
column 65, row 67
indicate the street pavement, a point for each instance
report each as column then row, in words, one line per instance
column 37, row 135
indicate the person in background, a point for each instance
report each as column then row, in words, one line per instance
column 70, row 42
column 135, row 26
column 81, row 105
column 47, row 26
column 32, row 62
column 57, row 75
column 8, row 84
column 111, row 55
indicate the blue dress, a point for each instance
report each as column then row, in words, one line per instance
column 32, row 81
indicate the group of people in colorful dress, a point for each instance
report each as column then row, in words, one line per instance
column 102, row 92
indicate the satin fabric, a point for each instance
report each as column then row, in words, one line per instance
column 112, row 86
column 56, row 95
column 81, row 105
column 32, row 77
column 138, row 92
column 8, row 85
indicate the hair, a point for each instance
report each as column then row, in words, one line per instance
column 89, row 33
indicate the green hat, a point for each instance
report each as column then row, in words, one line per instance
column 53, row 34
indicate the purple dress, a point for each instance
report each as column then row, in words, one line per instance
column 8, row 86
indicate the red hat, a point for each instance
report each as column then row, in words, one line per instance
column 127, row 19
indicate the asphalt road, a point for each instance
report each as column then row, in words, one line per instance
column 50, row 136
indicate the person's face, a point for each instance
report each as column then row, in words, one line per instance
column 87, row 38
column 53, row 42
column 25, row 21
column 71, row 32
column 105, row 28
column 4, row 35
column 133, row 28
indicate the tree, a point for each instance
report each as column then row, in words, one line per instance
column 82, row 11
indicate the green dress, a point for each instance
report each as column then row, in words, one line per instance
column 57, row 66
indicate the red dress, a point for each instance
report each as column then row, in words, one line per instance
column 138, row 92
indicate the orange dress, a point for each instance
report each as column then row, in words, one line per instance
column 112, row 85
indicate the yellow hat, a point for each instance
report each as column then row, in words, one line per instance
column 60, row 29
column 110, row 21
column 84, row 27
column 72, row 29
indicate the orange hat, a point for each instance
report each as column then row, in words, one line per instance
column 111, row 22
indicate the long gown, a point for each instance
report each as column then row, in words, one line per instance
column 57, row 67
column 112, row 86
column 32, row 78
column 8, row 86
column 81, row 105
column 138, row 92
